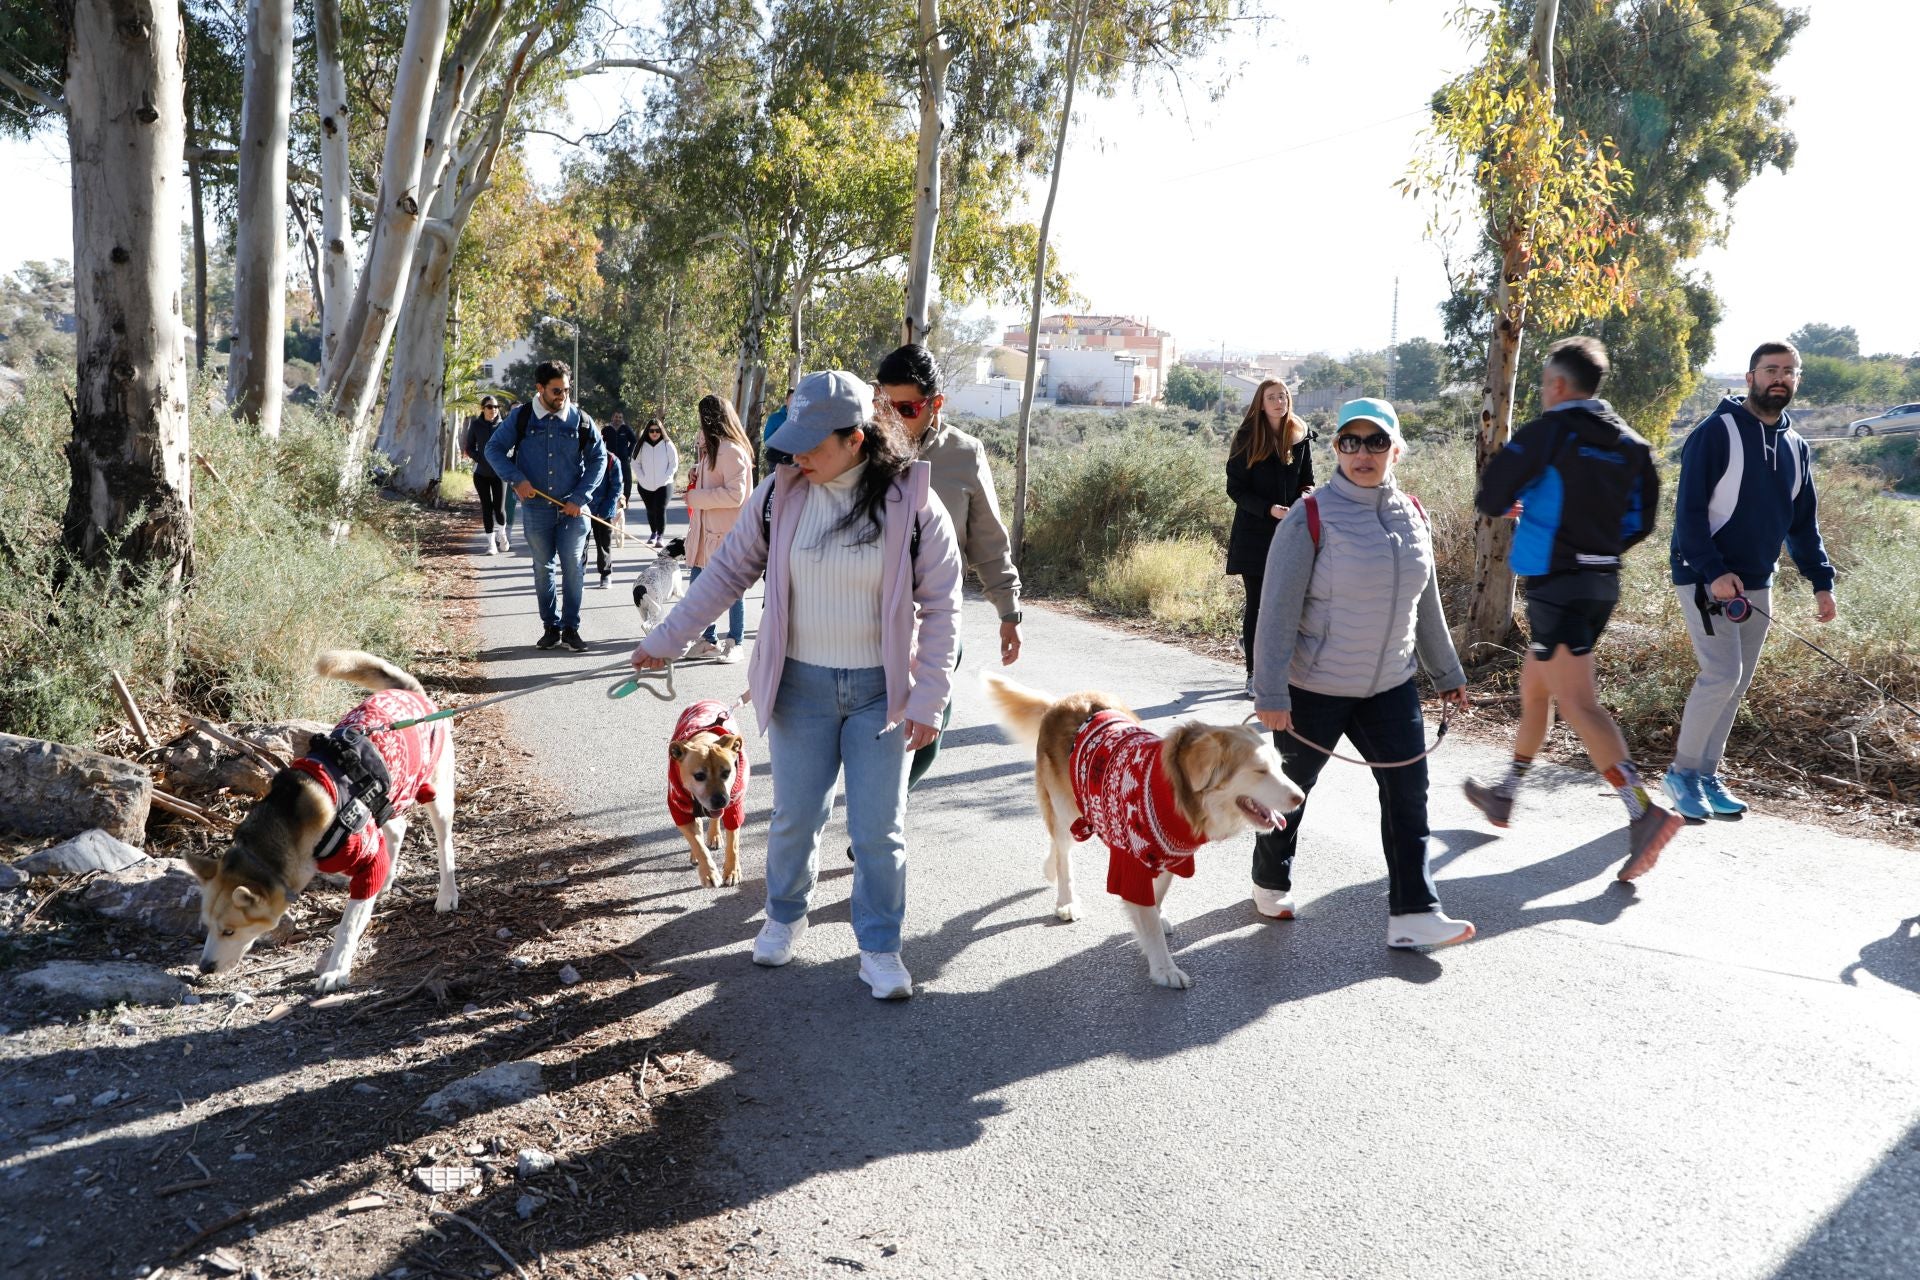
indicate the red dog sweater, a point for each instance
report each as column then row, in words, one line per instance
column 410, row 756
column 707, row 716
column 1121, row 786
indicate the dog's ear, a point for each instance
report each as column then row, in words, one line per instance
column 676, row 751
column 203, row 865
column 244, row 897
column 731, row 743
column 1202, row 757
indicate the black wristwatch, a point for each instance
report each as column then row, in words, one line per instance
column 1013, row 617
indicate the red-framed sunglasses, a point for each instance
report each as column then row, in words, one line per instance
column 910, row 409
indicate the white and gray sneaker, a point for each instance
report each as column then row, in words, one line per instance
column 732, row 651
column 883, row 971
column 500, row 540
column 774, row 947
column 1427, row 929
column 1276, row 904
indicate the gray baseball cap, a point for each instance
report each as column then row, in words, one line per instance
column 823, row 403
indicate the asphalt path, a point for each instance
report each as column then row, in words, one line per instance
column 1714, row 1073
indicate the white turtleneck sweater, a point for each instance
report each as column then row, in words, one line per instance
column 833, row 605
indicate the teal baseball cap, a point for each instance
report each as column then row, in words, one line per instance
column 1368, row 409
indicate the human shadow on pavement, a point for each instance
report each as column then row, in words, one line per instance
column 1870, row 1234
column 1893, row 959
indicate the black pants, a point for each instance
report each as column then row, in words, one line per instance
column 1250, row 615
column 602, row 547
column 656, row 500
column 626, row 478
column 493, row 499
column 1386, row 726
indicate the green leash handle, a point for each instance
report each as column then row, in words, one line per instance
column 633, row 682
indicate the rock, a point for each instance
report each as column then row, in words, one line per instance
column 196, row 765
column 51, row 790
column 158, row 893
column 501, row 1085
column 440, row 1179
column 568, row 975
column 66, row 1100
column 93, row 850
column 102, row 984
column 102, row 1099
column 526, row 1205
column 11, row 877
column 533, row 1161
column 503, row 933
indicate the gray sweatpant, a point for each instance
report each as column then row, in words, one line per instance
column 1727, row 660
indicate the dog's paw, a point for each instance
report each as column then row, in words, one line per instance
column 1172, row 976
column 447, row 899
column 1067, row 911
column 707, row 876
column 328, row 981
column 1166, row 925
column 730, row 877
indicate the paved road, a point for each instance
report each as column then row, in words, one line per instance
column 1716, row 1074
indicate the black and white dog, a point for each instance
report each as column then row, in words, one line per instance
column 659, row 585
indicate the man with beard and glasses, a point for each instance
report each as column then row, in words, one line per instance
column 1746, row 485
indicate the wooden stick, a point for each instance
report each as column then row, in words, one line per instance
column 259, row 755
column 518, row 1270
column 132, row 708
column 191, row 1184
column 175, row 805
column 65, row 885
column 389, row 1001
column 212, row 1231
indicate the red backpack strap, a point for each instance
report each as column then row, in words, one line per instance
column 1424, row 518
column 1313, row 519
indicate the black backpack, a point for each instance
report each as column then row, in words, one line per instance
column 766, row 525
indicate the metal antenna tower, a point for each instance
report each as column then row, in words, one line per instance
column 1393, row 344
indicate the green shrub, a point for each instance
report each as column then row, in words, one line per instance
column 1176, row 582
column 267, row 589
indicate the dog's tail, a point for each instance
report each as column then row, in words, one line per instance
column 365, row 670
column 1021, row 709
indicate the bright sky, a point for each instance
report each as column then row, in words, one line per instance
column 1268, row 220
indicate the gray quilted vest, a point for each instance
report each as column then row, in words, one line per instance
column 1356, row 631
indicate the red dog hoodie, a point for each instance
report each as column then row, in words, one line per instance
column 1121, row 785
column 707, row 716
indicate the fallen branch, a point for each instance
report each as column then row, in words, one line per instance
column 70, row 883
column 175, row 805
column 387, row 1002
column 233, row 1220
column 518, row 1270
column 259, row 755
column 191, row 1184
column 132, row 708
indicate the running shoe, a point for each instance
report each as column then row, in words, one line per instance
column 1427, row 929
column 1647, row 835
column 1720, row 802
column 774, row 947
column 1683, row 788
column 1275, row 904
column 1494, row 807
column 884, row 972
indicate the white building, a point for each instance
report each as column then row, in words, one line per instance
column 988, row 398
column 1097, row 377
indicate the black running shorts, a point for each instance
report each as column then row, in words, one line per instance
column 1569, row 609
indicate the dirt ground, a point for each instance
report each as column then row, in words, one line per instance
column 264, row 1133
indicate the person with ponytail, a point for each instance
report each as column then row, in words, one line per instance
column 1269, row 468
column 716, row 494
column 853, row 665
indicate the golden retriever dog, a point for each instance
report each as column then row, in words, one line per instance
column 325, row 813
column 1153, row 801
column 707, row 787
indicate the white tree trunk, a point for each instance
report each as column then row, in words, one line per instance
column 1019, row 531
column 336, row 178
column 256, row 363
column 353, row 376
column 934, row 57
column 125, row 131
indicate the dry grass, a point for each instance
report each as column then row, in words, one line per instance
column 1176, row 583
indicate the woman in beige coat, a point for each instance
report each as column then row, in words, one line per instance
column 717, row 490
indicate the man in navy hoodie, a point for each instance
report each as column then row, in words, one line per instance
column 1746, row 485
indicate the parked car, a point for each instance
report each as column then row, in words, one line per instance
column 1902, row 417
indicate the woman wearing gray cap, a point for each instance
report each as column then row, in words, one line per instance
column 1349, row 608
column 853, row 661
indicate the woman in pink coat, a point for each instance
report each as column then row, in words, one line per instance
column 717, row 490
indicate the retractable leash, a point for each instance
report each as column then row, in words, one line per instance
column 620, row 690
column 1739, row 608
column 1446, row 722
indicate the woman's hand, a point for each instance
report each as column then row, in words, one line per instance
column 919, row 735
column 1457, row 698
column 644, row 661
column 1278, row 721
column 1009, row 643
column 1277, row 511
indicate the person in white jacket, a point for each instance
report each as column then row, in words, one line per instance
column 655, row 464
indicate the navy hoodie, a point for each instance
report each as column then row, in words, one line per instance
column 1589, row 486
column 1734, row 509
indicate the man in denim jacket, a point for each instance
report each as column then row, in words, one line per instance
column 551, row 455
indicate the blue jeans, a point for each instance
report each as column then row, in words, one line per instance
column 824, row 717
column 736, row 615
column 1386, row 726
column 553, row 537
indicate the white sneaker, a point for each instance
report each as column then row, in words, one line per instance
column 702, row 649
column 774, row 947
column 732, row 651
column 883, row 971
column 1275, row 903
column 1427, row 929
column 501, row 537
column 491, row 547
column 605, row 578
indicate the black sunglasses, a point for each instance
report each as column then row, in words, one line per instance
column 1372, row 442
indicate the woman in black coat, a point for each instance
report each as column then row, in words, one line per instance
column 1269, row 467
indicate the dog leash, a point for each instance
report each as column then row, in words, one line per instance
column 583, row 511
column 624, row 688
column 1446, row 722
column 1829, row 657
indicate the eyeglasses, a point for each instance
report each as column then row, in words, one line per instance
column 1778, row 371
column 910, row 409
column 1372, row 442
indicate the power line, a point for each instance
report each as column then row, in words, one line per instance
column 1301, row 146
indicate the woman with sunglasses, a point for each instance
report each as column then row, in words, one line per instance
column 655, row 463
column 1350, row 604
column 909, row 379
column 1268, row 467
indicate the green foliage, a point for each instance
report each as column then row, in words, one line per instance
column 36, row 318
column 1421, row 370
column 1833, row 380
column 1816, row 339
column 1192, row 388
column 267, row 589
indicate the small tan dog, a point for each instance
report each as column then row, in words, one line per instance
column 707, row 786
column 318, row 816
column 1153, row 801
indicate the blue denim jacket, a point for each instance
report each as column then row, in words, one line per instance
column 607, row 496
column 550, row 457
